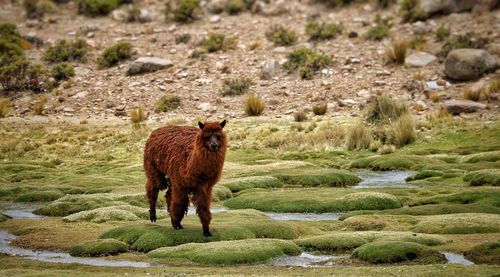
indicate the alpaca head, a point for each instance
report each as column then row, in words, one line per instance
column 212, row 136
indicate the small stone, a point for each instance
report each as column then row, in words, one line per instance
column 352, row 34
column 419, row 59
column 81, row 94
column 462, row 106
column 269, row 68
column 214, row 19
column 379, row 83
column 148, row 64
column 364, row 93
column 280, row 50
column 119, row 15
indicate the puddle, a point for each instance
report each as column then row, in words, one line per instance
column 304, row 216
column 305, row 260
column 22, row 211
column 454, row 258
column 383, row 179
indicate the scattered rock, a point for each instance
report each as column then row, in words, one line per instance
column 215, row 6
column 148, row 64
column 419, row 59
column 421, row 28
column 214, row 18
column 207, row 107
column 85, row 29
column 346, row 102
column 379, row 83
column 468, row 64
column 269, row 68
column 81, row 94
column 436, row 85
column 462, row 106
column 430, row 7
column 364, row 93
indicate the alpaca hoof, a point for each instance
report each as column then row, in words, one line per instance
column 152, row 216
column 178, row 227
column 207, row 233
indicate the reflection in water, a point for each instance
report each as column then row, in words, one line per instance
column 305, row 260
column 454, row 258
column 384, row 179
column 304, row 216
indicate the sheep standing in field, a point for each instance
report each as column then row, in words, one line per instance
column 184, row 160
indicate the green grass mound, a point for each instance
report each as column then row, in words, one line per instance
column 483, row 177
column 39, row 196
column 221, row 193
column 424, row 174
column 328, row 179
column 485, row 253
column 97, row 248
column 492, row 156
column 228, row 252
column 230, row 225
column 433, row 209
column 468, row 223
column 112, row 213
column 381, row 252
column 393, row 162
column 479, row 196
column 317, row 201
column 244, row 183
column 350, row 240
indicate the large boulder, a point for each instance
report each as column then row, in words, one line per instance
column 148, row 64
column 462, row 106
column 468, row 64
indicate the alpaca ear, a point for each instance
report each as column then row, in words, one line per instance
column 223, row 123
column 201, row 125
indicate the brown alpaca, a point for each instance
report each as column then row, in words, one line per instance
column 184, row 160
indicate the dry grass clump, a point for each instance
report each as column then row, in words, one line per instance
column 436, row 97
column 5, row 107
column 396, row 53
column 359, row 137
column 472, row 94
column 320, row 109
column 39, row 106
column 181, row 10
column 384, row 109
column 253, row 105
column 138, row 114
column 322, row 31
column 300, row 116
column 216, row 42
column 404, row 130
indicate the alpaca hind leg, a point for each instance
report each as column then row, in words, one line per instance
column 202, row 198
column 178, row 207
column 152, row 195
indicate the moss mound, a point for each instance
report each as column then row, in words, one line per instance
column 483, row 196
column 244, row 183
column 39, row 196
column 228, row 252
column 313, row 201
column 485, row 253
column 221, row 193
column 393, row 162
column 467, row 223
column 424, row 174
column 113, row 213
column 100, row 247
column 492, row 156
column 483, row 177
column 396, row 251
column 230, row 225
column 329, row 179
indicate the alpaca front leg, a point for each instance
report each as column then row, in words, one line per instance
column 202, row 198
column 178, row 207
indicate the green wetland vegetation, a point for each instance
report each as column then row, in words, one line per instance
column 87, row 183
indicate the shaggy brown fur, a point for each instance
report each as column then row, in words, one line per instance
column 184, row 160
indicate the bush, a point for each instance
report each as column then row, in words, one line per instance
column 39, row 106
column 322, row 31
column 377, row 32
column 307, row 62
column 98, row 248
column 384, row 109
column 410, row 11
column 320, row 109
column 442, row 33
column 253, row 105
column 182, row 10
column 115, row 54
column 359, row 137
column 138, row 115
column 66, row 51
column 234, row 6
column 35, row 9
column 217, row 41
column 20, row 75
column 281, row 36
column 397, row 251
column 5, row 107
column 167, row 103
column 396, row 53
column 11, row 49
column 236, row 86
column 403, row 131
column 96, row 7
column 62, row 71
column 299, row 116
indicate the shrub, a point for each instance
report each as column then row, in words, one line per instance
column 182, row 10
column 320, row 109
column 385, row 109
column 11, row 49
column 281, row 36
column 494, row 86
column 396, row 53
column 442, row 33
column 62, row 71
column 98, row 248
column 472, row 94
column 66, row 51
column 307, row 62
column 359, row 137
column 167, row 103
column 138, row 115
column 397, row 251
column 234, row 6
column 404, row 130
column 410, row 11
column 322, row 31
column 35, row 9
column 5, row 107
column 39, row 106
column 253, row 105
column 96, row 7
column 377, row 32
column 217, row 41
column 115, row 54
column 300, row 116
column 20, row 75
column 236, row 86
column 468, row 40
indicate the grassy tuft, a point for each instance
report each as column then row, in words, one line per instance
column 442, row 33
column 485, row 253
column 359, row 137
column 234, row 6
column 377, row 32
column 308, row 62
column 228, row 252
column 236, row 86
column 396, row 53
column 216, row 42
column 468, row 223
column 39, row 106
column 322, row 31
column 62, row 71
column 281, row 36
column 64, row 51
column 384, row 109
column 320, row 109
column 299, row 116
column 115, row 54
column 138, row 115
column 98, row 248
column 396, row 251
column 410, row 11
column 182, row 10
column 167, row 103
column 404, row 130
column 253, row 105
column 112, row 213
column 483, row 177
column 472, row 94
column 5, row 107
